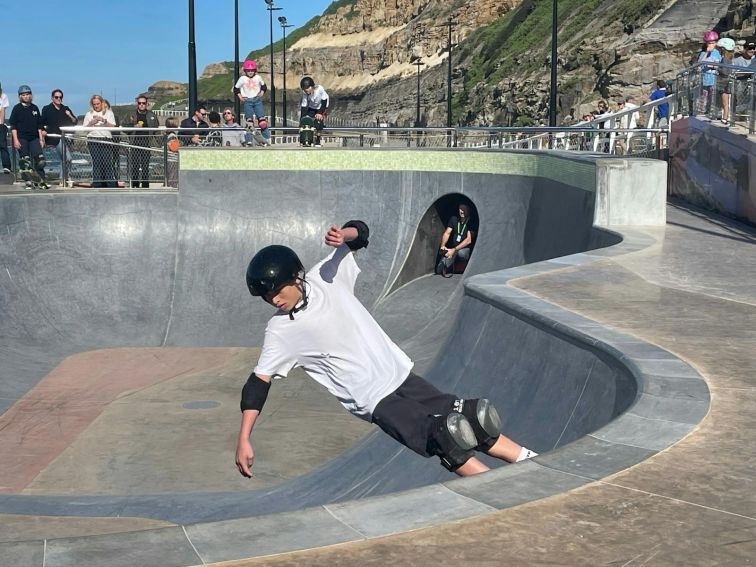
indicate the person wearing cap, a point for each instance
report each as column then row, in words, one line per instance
column 4, row 155
column 710, row 55
column 27, row 132
column 746, row 59
column 727, row 48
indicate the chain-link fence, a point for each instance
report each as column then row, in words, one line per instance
column 117, row 157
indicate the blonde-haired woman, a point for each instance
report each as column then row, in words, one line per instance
column 100, row 142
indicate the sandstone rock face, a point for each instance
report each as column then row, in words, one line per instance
column 214, row 69
column 166, row 89
column 364, row 54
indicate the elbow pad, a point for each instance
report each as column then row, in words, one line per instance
column 254, row 393
column 264, row 89
column 363, row 232
column 236, row 90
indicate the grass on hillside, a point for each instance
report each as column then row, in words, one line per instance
column 521, row 40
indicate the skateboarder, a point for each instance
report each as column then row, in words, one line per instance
column 314, row 109
column 321, row 326
column 28, row 138
column 250, row 90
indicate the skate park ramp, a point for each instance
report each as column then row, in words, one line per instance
column 89, row 273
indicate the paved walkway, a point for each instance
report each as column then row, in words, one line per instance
column 694, row 294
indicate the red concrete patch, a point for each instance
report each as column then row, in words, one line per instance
column 37, row 428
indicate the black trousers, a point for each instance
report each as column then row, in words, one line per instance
column 407, row 413
column 140, row 168
column 4, row 155
column 103, row 174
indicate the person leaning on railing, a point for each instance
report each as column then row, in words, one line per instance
column 140, row 156
column 100, row 142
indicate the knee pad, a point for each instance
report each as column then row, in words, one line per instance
column 41, row 162
column 485, row 422
column 452, row 440
column 319, row 124
column 262, row 123
column 25, row 162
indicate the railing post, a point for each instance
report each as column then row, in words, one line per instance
column 165, row 159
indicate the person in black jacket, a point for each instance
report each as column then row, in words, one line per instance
column 139, row 157
column 55, row 115
column 28, row 134
column 196, row 120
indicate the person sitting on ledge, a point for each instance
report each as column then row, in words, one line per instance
column 455, row 241
column 321, row 326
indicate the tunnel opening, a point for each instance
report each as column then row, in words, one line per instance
column 424, row 251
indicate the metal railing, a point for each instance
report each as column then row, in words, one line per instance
column 117, row 158
column 719, row 92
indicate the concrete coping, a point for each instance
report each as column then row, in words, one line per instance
column 672, row 398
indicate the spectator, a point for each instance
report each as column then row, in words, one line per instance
column 629, row 120
column 4, row 155
column 456, row 240
column 727, row 45
column 315, row 105
column 250, row 89
column 55, row 115
column 100, row 142
column 231, row 138
column 321, row 326
column 661, row 111
column 746, row 59
column 27, row 132
column 172, row 144
column 708, row 54
column 214, row 137
column 196, row 121
column 139, row 156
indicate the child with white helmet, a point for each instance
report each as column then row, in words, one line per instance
column 727, row 48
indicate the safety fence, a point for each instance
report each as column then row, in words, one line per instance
column 719, row 92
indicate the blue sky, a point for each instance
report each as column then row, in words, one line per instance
column 120, row 47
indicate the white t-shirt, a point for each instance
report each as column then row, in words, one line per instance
column 250, row 87
column 335, row 340
column 315, row 99
column 4, row 103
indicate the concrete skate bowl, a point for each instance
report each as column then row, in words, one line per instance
column 89, row 271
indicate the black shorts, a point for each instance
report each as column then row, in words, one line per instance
column 407, row 413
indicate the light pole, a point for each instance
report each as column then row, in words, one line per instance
column 450, row 23
column 553, row 91
column 237, row 102
column 192, row 62
column 284, row 25
column 419, row 63
column 271, row 8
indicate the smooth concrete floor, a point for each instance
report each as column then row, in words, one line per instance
column 694, row 294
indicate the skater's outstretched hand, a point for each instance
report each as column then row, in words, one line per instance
column 245, row 456
column 334, row 237
column 337, row 236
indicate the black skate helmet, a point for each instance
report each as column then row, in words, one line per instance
column 272, row 268
column 306, row 83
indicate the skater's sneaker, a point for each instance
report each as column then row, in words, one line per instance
column 6, row 170
column 525, row 454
